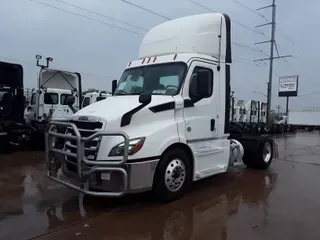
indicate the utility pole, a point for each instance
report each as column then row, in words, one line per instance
column 273, row 45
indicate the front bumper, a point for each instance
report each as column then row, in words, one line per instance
column 96, row 178
column 116, row 182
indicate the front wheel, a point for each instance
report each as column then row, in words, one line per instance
column 173, row 175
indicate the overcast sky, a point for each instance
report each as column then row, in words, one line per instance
column 100, row 52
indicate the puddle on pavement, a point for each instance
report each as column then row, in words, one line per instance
column 202, row 214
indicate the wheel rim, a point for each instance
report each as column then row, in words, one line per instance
column 267, row 152
column 175, row 175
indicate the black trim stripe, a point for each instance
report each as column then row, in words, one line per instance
column 228, row 38
column 171, row 105
column 141, row 160
column 126, row 118
column 228, row 77
column 163, row 107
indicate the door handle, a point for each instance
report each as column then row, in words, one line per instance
column 212, row 124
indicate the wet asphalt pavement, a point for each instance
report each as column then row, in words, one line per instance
column 280, row 203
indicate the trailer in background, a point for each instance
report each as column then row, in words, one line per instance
column 305, row 119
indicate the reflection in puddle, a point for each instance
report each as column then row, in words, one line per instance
column 206, row 211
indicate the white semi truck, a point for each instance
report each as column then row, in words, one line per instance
column 167, row 123
column 49, row 100
column 92, row 97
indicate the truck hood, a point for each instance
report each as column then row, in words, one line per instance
column 116, row 106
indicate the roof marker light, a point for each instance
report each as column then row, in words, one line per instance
column 155, row 58
column 143, row 61
column 129, row 64
column 149, row 59
column 175, row 57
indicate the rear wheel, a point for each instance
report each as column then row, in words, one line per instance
column 173, row 175
column 260, row 157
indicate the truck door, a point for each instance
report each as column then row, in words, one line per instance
column 66, row 112
column 50, row 107
column 31, row 110
column 201, row 116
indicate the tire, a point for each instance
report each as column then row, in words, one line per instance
column 174, row 161
column 259, row 156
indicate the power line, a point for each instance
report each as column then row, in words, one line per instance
column 250, row 9
column 236, row 22
column 101, row 15
column 194, row 2
column 235, row 43
column 80, row 15
column 146, row 9
column 247, row 47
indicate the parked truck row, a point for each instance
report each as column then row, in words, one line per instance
column 251, row 117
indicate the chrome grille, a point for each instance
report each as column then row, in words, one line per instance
column 86, row 129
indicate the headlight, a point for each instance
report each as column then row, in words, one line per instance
column 134, row 146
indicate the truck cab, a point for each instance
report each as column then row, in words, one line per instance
column 92, row 97
column 167, row 123
column 13, row 130
column 52, row 105
column 253, row 110
column 48, row 101
column 262, row 112
column 241, row 111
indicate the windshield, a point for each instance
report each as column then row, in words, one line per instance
column 63, row 98
column 51, row 98
column 160, row 79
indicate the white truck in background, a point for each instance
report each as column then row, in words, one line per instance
column 167, row 123
column 92, row 97
column 262, row 112
column 49, row 100
column 252, row 108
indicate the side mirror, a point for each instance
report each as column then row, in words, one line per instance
column 145, row 98
column 70, row 100
column 114, row 86
column 201, row 85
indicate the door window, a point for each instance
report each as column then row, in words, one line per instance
column 193, row 84
column 33, row 99
column 86, row 102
